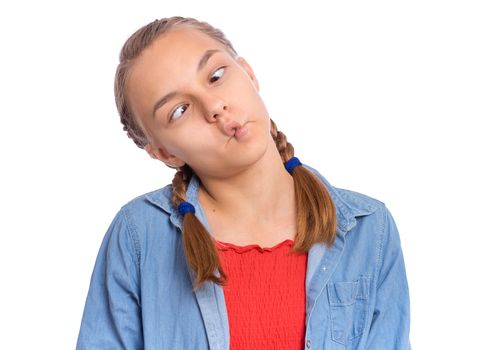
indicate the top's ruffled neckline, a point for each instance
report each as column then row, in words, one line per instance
column 242, row 249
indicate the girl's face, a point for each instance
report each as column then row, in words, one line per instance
column 190, row 95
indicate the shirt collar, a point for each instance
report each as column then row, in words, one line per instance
column 346, row 210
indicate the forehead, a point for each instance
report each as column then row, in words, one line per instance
column 176, row 50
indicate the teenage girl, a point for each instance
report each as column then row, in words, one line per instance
column 248, row 248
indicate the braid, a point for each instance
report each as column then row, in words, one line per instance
column 315, row 208
column 286, row 150
column 199, row 248
column 179, row 184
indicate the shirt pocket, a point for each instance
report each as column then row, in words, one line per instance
column 348, row 308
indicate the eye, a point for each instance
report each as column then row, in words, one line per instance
column 177, row 109
column 215, row 74
column 221, row 69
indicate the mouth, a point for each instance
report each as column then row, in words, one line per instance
column 239, row 132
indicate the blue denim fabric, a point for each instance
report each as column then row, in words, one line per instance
column 140, row 294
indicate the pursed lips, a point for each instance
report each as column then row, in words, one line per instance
column 232, row 128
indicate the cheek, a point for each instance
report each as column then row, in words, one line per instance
column 247, row 97
column 199, row 140
column 244, row 88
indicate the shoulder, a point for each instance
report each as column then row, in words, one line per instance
column 369, row 218
column 150, row 206
column 350, row 205
column 149, row 218
column 373, row 234
column 353, row 198
column 359, row 201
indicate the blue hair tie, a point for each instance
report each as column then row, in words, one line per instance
column 185, row 207
column 291, row 164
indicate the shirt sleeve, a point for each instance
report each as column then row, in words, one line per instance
column 112, row 315
column 390, row 323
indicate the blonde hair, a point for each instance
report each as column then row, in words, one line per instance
column 315, row 208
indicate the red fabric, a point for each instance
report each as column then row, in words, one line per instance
column 265, row 295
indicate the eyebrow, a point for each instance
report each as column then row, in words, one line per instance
column 202, row 62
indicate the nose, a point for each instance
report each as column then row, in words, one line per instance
column 213, row 106
column 217, row 111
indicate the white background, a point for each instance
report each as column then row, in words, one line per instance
column 387, row 98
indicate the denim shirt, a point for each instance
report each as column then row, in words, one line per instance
column 141, row 297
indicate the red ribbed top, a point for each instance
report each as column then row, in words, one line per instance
column 265, row 295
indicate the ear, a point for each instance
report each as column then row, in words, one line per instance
column 242, row 62
column 163, row 155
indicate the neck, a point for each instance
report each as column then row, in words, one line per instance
column 260, row 196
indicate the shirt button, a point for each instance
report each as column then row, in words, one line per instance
column 308, row 343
